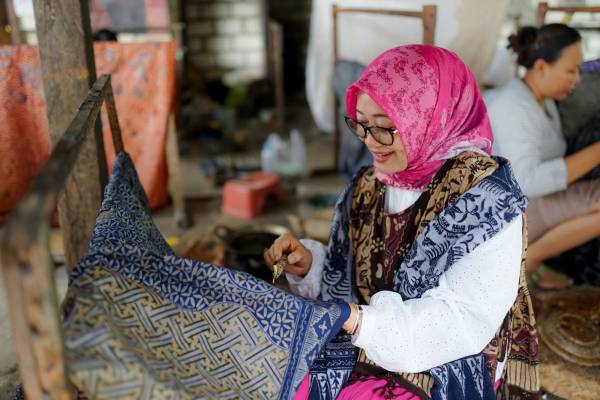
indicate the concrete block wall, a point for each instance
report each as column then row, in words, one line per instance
column 226, row 35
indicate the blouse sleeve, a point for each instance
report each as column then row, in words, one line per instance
column 456, row 319
column 310, row 286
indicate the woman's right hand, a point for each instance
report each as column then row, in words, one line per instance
column 582, row 162
column 299, row 257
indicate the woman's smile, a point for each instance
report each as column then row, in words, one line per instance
column 381, row 157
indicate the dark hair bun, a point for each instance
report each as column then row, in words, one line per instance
column 523, row 40
column 522, row 43
column 545, row 43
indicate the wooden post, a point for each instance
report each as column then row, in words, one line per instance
column 276, row 50
column 111, row 110
column 542, row 10
column 68, row 71
column 336, row 104
column 176, row 188
column 15, row 31
column 429, row 21
column 5, row 27
column 177, row 25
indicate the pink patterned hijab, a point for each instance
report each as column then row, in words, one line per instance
column 433, row 100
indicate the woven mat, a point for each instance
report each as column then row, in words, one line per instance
column 558, row 376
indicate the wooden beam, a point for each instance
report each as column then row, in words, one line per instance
column 542, row 10
column 5, row 28
column 26, row 265
column 276, row 60
column 429, row 16
column 176, row 189
column 113, row 120
column 379, row 11
column 574, row 9
column 337, row 140
column 68, row 70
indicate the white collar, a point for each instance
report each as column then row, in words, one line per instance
column 398, row 200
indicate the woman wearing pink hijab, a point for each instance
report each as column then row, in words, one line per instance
column 426, row 246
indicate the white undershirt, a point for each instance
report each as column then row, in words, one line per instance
column 456, row 319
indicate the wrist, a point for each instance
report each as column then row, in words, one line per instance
column 306, row 263
column 352, row 324
column 309, row 267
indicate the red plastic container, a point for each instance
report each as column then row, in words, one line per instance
column 246, row 197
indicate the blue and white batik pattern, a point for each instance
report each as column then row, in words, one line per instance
column 147, row 324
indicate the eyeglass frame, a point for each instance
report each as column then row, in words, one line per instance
column 368, row 132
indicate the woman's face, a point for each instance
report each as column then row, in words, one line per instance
column 387, row 159
column 560, row 78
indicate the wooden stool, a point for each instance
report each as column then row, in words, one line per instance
column 246, row 197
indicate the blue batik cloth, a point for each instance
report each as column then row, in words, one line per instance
column 145, row 324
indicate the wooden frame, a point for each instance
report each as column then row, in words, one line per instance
column 27, row 268
column 543, row 9
column 15, row 31
column 275, row 62
column 428, row 16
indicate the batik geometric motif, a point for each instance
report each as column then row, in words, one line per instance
column 145, row 324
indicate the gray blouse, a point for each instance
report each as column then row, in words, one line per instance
column 531, row 140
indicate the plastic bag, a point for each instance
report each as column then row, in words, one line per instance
column 282, row 157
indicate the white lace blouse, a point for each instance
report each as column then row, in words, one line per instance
column 456, row 319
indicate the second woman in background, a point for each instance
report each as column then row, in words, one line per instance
column 564, row 198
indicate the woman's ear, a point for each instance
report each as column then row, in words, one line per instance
column 540, row 66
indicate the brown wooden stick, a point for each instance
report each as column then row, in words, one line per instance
column 336, row 104
column 380, row 11
column 588, row 9
column 176, row 186
column 15, row 31
column 429, row 17
column 113, row 118
column 542, row 10
column 276, row 35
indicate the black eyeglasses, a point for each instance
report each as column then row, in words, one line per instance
column 384, row 136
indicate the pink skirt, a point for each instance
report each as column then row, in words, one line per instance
column 359, row 390
column 363, row 390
